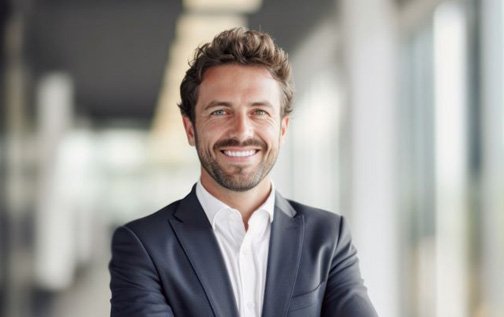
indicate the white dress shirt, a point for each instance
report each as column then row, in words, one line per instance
column 245, row 252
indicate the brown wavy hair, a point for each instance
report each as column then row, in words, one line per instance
column 237, row 46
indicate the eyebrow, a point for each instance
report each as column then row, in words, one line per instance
column 218, row 103
column 266, row 104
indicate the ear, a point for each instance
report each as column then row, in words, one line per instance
column 284, row 124
column 189, row 129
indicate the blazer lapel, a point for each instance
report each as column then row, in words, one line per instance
column 196, row 236
column 286, row 242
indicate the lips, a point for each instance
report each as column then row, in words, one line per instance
column 239, row 153
column 232, row 148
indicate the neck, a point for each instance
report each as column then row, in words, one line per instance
column 245, row 202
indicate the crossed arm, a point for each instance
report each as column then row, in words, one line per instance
column 346, row 294
column 135, row 285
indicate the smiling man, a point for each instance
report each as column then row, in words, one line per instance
column 234, row 246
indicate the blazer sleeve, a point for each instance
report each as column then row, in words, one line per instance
column 135, row 285
column 346, row 295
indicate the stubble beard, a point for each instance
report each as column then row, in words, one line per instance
column 237, row 180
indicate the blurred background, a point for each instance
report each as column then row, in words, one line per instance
column 398, row 125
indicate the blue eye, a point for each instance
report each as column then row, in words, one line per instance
column 219, row 112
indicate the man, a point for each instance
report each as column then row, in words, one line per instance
column 234, row 246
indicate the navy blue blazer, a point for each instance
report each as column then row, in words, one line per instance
column 169, row 264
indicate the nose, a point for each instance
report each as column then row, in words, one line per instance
column 242, row 128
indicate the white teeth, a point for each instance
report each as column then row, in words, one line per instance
column 239, row 153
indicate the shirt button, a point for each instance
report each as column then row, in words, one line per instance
column 250, row 305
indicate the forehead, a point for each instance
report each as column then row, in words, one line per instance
column 239, row 83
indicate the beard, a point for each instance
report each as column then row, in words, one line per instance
column 238, row 179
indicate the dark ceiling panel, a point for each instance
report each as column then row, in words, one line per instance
column 289, row 21
column 115, row 50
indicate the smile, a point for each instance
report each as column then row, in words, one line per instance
column 239, row 153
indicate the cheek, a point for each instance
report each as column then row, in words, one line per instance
column 211, row 127
column 206, row 137
column 269, row 126
column 271, row 135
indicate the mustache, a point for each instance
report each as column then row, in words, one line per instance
column 235, row 142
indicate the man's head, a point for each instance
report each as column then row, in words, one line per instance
column 242, row 47
column 236, row 100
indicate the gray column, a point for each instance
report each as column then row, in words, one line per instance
column 492, row 178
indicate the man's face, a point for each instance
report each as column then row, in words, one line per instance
column 238, row 128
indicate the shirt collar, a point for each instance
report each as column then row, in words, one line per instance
column 212, row 205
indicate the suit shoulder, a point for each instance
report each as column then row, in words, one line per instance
column 313, row 214
column 322, row 226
